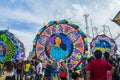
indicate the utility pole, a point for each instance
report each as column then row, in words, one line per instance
column 92, row 27
column 104, row 29
column 86, row 22
column 109, row 31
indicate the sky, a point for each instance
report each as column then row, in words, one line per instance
column 25, row 17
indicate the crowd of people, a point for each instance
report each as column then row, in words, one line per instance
column 97, row 67
column 101, row 67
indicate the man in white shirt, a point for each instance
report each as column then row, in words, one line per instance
column 39, row 70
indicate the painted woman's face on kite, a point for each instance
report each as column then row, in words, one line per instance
column 57, row 41
column 61, row 40
column 56, row 51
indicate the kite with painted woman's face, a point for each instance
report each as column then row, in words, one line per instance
column 103, row 43
column 60, row 40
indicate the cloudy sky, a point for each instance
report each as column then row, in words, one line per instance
column 25, row 17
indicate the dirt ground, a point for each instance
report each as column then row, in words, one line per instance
column 3, row 78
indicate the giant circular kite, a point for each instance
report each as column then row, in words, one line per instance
column 103, row 43
column 10, row 47
column 7, row 46
column 20, row 52
column 61, row 40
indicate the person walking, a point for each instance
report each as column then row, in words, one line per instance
column 27, row 67
column 69, row 64
column 39, row 70
column 98, row 67
column 75, row 76
column 54, row 65
column 9, row 70
column 107, row 58
column 83, row 68
column 19, row 70
column 0, row 69
column 49, row 71
column 63, row 71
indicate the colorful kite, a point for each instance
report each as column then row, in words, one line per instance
column 60, row 40
column 103, row 43
column 7, row 46
column 10, row 47
column 20, row 53
column 116, row 19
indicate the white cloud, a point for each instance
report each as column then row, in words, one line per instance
column 100, row 11
column 19, row 15
column 26, row 38
column 100, row 14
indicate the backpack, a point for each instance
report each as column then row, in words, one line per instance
column 19, row 67
column 63, row 73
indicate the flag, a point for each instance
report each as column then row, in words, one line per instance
column 116, row 19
